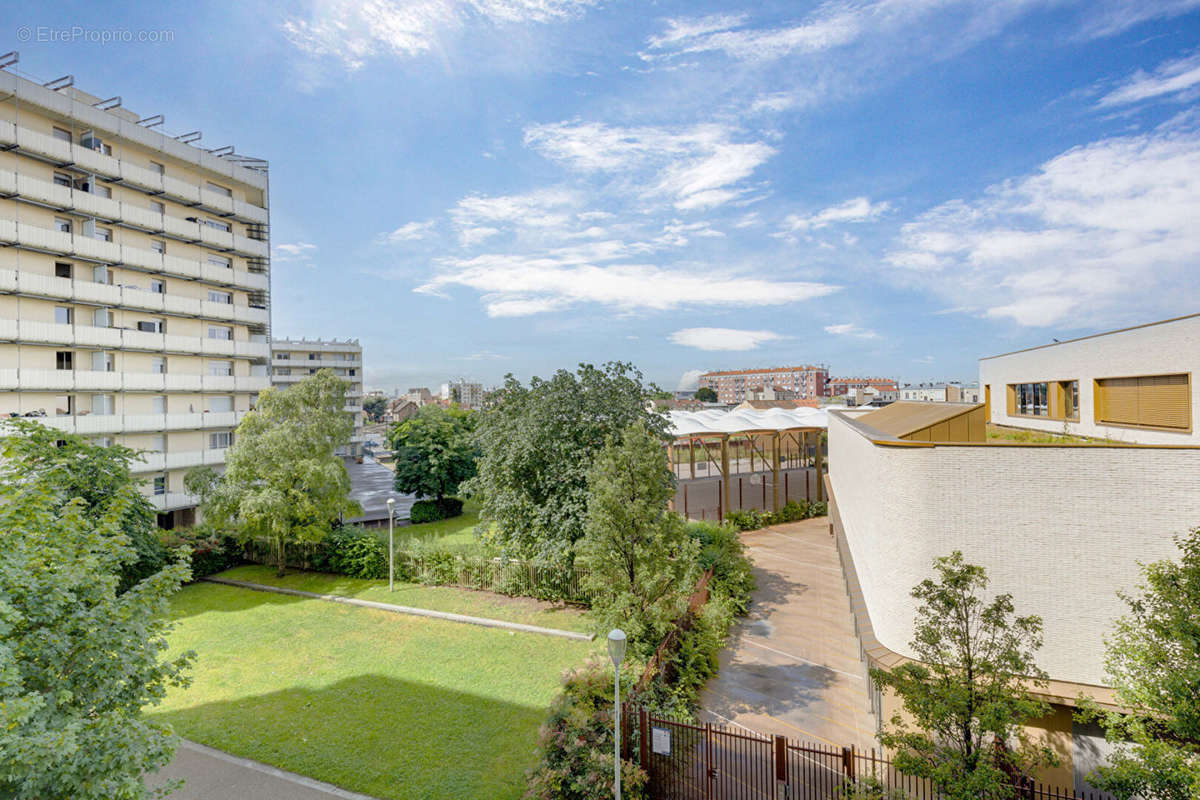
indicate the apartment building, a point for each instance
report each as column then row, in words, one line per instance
column 134, row 281
column 952, row 392
column 808, row 382
column 838, row 387
column 465, row 393
column 294, row 360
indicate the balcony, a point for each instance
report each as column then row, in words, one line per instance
column 181, row 459
column 173, row 500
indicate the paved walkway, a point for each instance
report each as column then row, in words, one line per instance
column 210, row 774
column 792, row 667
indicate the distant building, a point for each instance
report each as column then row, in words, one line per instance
column 293, row 360
column 399, row 410
column 940, row 392
column 808, row 382
column 837, row 387
column 770, row 393
column 467, row 395
column 421, row 396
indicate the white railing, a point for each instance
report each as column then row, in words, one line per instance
column 143, row 423
column 173, row 500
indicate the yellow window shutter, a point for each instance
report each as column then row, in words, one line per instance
column 1164, row 401
column 1117, row 400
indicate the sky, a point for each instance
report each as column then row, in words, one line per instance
column 888, row 187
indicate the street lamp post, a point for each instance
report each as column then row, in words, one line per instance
column 616, row 651
column 391, row 504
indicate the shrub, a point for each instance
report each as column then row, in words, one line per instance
column 722, row 551
column 818, row 508
column 354, row 552
column 433, row 510
column 575, row 744
column 749, row 519
column 210, row 552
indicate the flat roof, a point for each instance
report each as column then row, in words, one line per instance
column 714, row 422
column 905, row 416
column 1092, row 336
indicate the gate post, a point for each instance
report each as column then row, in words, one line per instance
column 848, row 762
column 781, row 767
column 644, row 734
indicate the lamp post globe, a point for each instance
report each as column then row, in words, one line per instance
column 616, row 652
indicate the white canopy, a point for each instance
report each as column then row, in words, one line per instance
column 695, row 423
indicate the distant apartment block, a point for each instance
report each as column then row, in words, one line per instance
column 466, row 394
column 731, row 386
column 134, row 281
column 838, row 387
column 419, row 395
column 940, row 392
column 294, row 360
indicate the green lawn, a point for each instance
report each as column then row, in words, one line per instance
column 392, row 706
column 437, row 598
column 456, row 532
column 997, row 433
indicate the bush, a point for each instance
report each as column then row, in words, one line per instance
column 751, row 519
column 210, row 552
column 353, row 552
column 433, row 510
column 575, row 744
column 722, row 551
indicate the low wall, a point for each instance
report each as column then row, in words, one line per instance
column 1061, row 528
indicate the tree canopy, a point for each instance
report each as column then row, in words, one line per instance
column 966, row 695
column 639, row 561
column 435, row 451
column 78, row 661
column 706, row 394
column 72, row 467
column 283, row 480
column 538, row 443
column 374, row 407
column 1153, row 665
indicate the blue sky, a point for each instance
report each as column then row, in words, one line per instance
column 891, row 187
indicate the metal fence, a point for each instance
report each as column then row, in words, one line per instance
column 705, row 761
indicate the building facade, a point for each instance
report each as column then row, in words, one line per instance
column 419, row 395
column 465, row 393
column 808, row 382
column 293, row 360
column 134, row 282
column 838, row 387
column 1130, row 385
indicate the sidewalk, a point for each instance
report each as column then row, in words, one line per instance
column 215, row 775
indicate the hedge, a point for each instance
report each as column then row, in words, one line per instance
column 434, row 510
column 751, row 519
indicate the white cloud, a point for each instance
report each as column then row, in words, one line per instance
column 1180, row 77
column 408, row 232
column 850, row 329
column 835, row 24
column 858, row 209
column 698, row 167
column 689, row 380
column 515, row 285
column 924, row 360
column 1114, row 16
column 482, row 355
column 298, row 251
column 1098, row 233
column 354, row 32
column 722, row 338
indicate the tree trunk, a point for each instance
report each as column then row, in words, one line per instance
column 279, row 553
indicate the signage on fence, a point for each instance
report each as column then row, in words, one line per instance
column 660, row 741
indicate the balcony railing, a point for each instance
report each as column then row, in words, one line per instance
column 124, row 339
column 86, row 248
column 24, row 379
column 173, row 500
column 182, row 459
column 143, row 423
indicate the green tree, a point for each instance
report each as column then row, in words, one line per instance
column 283, row 480
column 967, row 693
column 1153, row 665
column 706, row 394
column 538, row 443
column 77, row 468
column 78, row 660
column 435, row 451
column 640, row 563
column 374, row 407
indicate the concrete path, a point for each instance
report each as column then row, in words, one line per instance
column 792, row 667
column 210, row 774
column 419, row 612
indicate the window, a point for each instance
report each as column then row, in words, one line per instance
column 158, row 443
column 62, row 225
column 352, row 373
column 1068, row 400
column 64, row 405
column 218, row 225
column 220, row 441
column 220, row 332
column 1149, row 401
column 158, row 287
column 160, row 485
column 215, row 296
column 103, row 404
column 102, row 275
column 62, row 270
column 62, row 179
column 1029, row 399
column 64, row 359
column 102, row 318
column 63, row 315
column 221, row 190
column 221, row 261
column 102, row 191
column 283, row 370
column 157, row 207
column 62, row 134
column 220, row 368
column 313, row 356
column 158, row 365
column 157, row 167
column 151, row 325
column 103, row 362
column 283, row 356
column 220, row 404
column 103, row 234
column 158, row 246
column 159, row 404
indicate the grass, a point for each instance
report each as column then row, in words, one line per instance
column 1025, row 436
column 455, row 532
column 396, row 707
column 436, row 598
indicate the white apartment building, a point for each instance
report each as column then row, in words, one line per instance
column 294, row 360
column 465, row 393
column 134, row 281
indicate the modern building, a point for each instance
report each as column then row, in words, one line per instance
column 419, row 395
column 1061, row 526
column 808, row 382
column 1130, row 385
column 938, row 392
column 293, row 360
column 465, row 393
column 839, row 387
column 134, row 281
